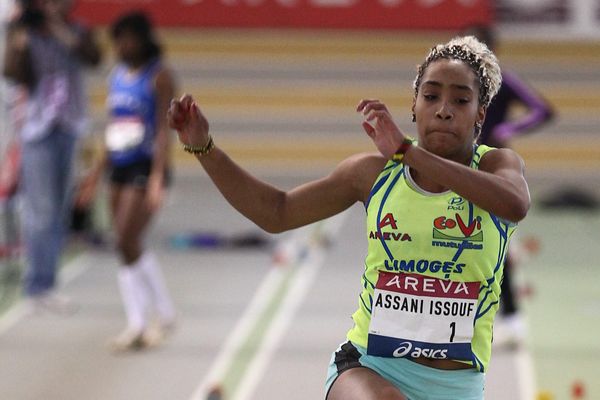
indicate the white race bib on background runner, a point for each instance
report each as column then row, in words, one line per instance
column 420, row 316
column 124, row 133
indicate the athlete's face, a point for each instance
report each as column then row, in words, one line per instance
column 447, row 108
column 128, row 47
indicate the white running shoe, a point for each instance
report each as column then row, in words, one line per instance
column 158, row 331
column 130, row 340
column 51, row 302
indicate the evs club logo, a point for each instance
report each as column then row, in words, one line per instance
column 447, row 231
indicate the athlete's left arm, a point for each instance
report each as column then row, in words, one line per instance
column 508, row 192
column 498, row 186
column 165, row 90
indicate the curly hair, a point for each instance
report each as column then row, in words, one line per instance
column 473, row 53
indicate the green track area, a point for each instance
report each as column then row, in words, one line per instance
column 563, row 309
column 10, row 277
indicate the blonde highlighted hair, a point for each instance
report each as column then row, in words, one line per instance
column 473, row 53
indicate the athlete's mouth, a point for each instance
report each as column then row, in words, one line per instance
column 441, row 132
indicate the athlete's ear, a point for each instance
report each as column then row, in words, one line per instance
column 481, row 114
column 479, row 122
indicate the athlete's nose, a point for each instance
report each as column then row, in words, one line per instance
column 444, row 112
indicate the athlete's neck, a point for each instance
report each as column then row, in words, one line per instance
column 425, row 184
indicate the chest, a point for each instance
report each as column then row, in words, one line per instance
column 407, row 228
column 131, row 94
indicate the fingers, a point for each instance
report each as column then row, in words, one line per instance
column 379, row 124
column 373, row 110
column 179, row 111
column 379, row 115
column 175, row 115
column 362, row 104
column 369, row 129
column 187, row 119
column 186, row 101
column 366, row 106
column 370, row 108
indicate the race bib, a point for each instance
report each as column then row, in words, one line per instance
column 420, row 316
column 123, row 134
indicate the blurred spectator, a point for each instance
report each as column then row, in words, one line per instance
column 497, row 131
column 499, row 127
column 45, row 52
column 136, row 157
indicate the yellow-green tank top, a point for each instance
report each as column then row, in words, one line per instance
column 431, row 284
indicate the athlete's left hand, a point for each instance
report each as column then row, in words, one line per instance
column 154, row 192
column 380, row 127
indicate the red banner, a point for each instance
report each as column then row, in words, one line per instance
column 344, row 14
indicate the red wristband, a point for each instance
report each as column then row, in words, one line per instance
column 404, row 146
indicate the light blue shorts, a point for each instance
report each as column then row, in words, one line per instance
column 416, row 381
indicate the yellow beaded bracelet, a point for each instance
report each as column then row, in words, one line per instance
column 202, row 150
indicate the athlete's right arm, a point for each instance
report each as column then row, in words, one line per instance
column 272, row 209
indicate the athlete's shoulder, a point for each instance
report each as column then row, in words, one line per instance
column 367, row 164
column 361, row 170
column 164, row 79
column 494, row 158
column 117, row 71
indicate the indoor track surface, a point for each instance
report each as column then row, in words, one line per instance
column 262, row 321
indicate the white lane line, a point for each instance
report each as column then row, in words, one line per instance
column 293, row 300
column 239, row 334
column 68, row 273
column 12, row 316
column 304, row 252
column 527, row 385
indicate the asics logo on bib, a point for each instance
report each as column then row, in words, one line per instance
column 408, row 349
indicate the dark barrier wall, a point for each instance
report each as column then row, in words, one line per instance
column 344, row 14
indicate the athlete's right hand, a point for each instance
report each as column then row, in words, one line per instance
column 380, row 127
column 191, row 125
